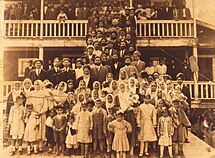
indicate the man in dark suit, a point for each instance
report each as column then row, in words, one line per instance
column 99, row 72
column 38, row 73
column 53, row 73
column 186, row 91
column 122, row 50
column 104, row 61
column 140, row 65
column 128, row 68
column 184, row 13
column 29, row 68
column 67, row 73
column 168, row 12
column 115, row 65
column 87, row 77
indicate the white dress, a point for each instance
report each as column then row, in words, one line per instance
column 31, row 133
column 16, row 121
column 40, row 103
column 120, row 129
column 165, row 139
column 84, row 124
column 71, row 140
column 146, row 119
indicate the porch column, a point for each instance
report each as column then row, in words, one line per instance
column 41, row 53
column 41, row 18
column 131, row 3
column 42, row 10
column 2, row 104
column 195, row 77
column 213, row 70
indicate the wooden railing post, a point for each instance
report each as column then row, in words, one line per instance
column 195, row 77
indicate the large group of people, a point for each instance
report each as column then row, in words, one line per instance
column 109, row 100
column 80, row 10
column 113, row 107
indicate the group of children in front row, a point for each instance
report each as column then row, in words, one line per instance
column 98, row 126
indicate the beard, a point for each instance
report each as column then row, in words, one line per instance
column 97, row 64
column 104, row 62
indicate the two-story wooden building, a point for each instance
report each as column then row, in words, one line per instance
column 46, row 39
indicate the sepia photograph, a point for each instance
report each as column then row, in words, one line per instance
column 107, row 78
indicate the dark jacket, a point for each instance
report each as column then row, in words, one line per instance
column 33, row 76
column 90, row 83
column 53, row 76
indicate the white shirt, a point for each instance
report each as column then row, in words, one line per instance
column 116, row 65
column 78, row 72
column 150, row 70
column 184, row 12
column 161, row 69
column 38, row 71
column 86, row 79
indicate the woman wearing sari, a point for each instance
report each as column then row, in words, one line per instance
column 60, row 94
column 12, row 97
column 39, row 98
column 125, row 104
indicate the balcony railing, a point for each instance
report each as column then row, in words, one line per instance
column 206, row 90
column 45, row 28
column 165, row 28
column 78, row 28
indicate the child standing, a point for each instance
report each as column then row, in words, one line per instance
column 71, row 138
column 31, row 129
column 165, row 132
column 84, row 129
column 16, row 124
column 49, row 130
column 59, row 127
column 98, row 115
column 109, row 135
column 120, row 128
column 180, row 122
column 146, row 121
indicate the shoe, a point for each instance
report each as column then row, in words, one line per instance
column 171, row 156
column 147, row 154
column 40, row 149
column 12, row 153
column 187, row 141
column 181, row 153
column 161, row 156
column 140, row 154
column 57, row 153
column 35, row 149
column 28, row 150
column 19, row 152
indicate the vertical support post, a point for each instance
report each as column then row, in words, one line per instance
column 131, row 3
column 41, row 53
column 2, row 104
column 195, row 76
column 41, row 18
column 213, row 70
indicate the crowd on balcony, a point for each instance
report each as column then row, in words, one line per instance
column 143, row 10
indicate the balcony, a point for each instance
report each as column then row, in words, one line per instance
column 73, row 32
